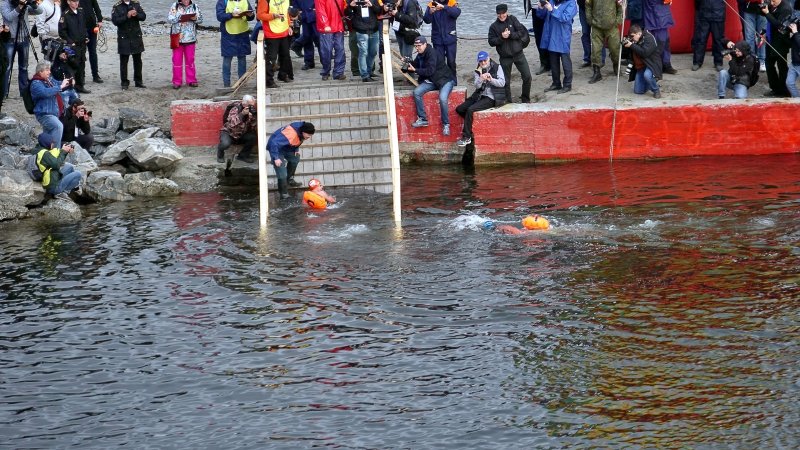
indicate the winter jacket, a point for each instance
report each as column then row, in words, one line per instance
column 129, row 32
column 776, row 17
column 431, row 66
column 407, row 18
column 443, row 24
column 741, row 68
column 231, row 45
column 46, row 96
column 604, row 14
column 70, row 123
column 557, row 31
column 307, row 9
column 711, row 10
column 515, row 42
column 657, row 15
column 49, row 162
column 47, row 22
column 274, row 17
column 634, row 10
column 285, row 140
column 73, row 27
column 188, row 29
column 494, row 89
column 329, row 14
column 237, row 124
column 365, row 25
column 648, row 50
column 11, row 17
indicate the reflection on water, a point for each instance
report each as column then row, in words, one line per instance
column 661, row 312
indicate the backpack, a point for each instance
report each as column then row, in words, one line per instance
column 418, row 12
column 754, row 72
column 27, row 98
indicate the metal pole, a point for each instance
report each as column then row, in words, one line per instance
column 391, row 116
column 261, row 121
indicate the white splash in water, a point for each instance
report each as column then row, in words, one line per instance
column 468, row 222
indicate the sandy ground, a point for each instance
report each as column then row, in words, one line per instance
column 106, row 98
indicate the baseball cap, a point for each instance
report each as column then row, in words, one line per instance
column 482, row 56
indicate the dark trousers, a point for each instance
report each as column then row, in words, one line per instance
column 353, row 44
column 556, row 61
column 137, row 69
column 309, row 38
column 521, row 64
column 776, row 56
column 538, row 30
column 84, row 140
column 278, row 49
column 449, row 53
column 248, row 140
column 92, row 47
column 468, row 109
column 701, row 31
column 80, row 74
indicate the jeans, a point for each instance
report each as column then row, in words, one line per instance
column 226, row 68
column 791, row 80
column 754, row 24
column 22, row 49
column 248, row 140
column 183, row 56
column 367, row 50
column 52, row 126
column 289, row 162
column 521, row 64
column 739, row 90
column 444, row 93
column 645, row 81
column 331, row 46
column 70, row 179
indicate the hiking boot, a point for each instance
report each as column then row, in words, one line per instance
column 657, row 94
column 326, row 77
column 294, row 183
column 446, row 129
column 340, row 77
column 464, row 141
column 553, row 87
column 420, row 122
column 564, row 90
column 596, row 76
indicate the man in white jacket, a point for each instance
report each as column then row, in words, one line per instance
column 47, row 22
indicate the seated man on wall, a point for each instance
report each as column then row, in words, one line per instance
column 238, row 127
column 433, row 74
column 740, row 69
column 489, row 92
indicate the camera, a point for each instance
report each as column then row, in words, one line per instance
column 628, row 68
column 252, row 109
column 390, row 4
column 405, row 63
column 729, row 51
column 763, row 4
column 542, row 3
column 794, row 19
column 626, row 40
column 17, row 3
column 361, row 3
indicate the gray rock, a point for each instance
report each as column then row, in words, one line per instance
column 12, row 211
column 105, row 185
column 57, row 211
column 8, row 123
column 10, row 158
column 16, row 186
column 154, row 153
column 118, row 151
column 132, row 119
column 104, row 135
column 148, row 185
column 19, row 136
column 82, row 160
column 122, row 135
column 97, row 150
column 112, row 125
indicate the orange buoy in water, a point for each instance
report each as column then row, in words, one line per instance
column 535, row 222
column 314, row 200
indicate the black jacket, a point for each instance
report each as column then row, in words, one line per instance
column 430, row 65
column 129, row 33
column 408, row 21
column 368, row 24
column 73, row 27
column 741, row 68
column 93, row 12
column 710, row 10
column 776, row 18
column 499, row 93
column 647, row 49
column 517, row 40
column 70, row 123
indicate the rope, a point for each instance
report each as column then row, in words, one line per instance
column 102, row 43
column 616, row 92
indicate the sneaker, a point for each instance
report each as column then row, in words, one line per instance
column 446, row 130
column 340, row 77
column 325, row 77
column 464, row 141
column 420, row 123
column 62, row 196
column 297, row 51
column 294, row 183
column 657, row 94
column 762, row 67
column 721, row 97
column 79, row 191
column 695, row 67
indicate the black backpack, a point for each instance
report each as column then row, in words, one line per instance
column 27, row 98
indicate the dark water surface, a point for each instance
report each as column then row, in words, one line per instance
column 661, row 312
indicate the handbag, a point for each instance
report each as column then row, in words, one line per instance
column 34, row 31
column 174, row 40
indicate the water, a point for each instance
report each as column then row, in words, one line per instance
column 661, row 312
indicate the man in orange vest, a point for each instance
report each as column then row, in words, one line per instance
column 277, row 26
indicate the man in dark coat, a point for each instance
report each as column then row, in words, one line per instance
column 657, row 17
column 126, row 15
column 433, row 74
column 309, row 38
column 647, row 63
column 94, row 21
column 740, row 65
column 710, row 20
column 777, row 12
column 510, row 38
column 72, row 29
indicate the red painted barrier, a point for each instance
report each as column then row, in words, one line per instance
column 196, row 122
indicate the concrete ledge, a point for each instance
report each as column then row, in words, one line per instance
column 196, row 122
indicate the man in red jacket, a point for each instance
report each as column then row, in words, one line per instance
column 277, row 26
column 331, row 37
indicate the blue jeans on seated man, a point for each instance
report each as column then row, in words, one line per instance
column 644, row 81
column 52, row 126
column 791, row 80
column 444, row 93
column 739, row 90
column 367, row 50
column 70, row 179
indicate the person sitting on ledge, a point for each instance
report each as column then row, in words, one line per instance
column 433, row 74
column 76, row 125
column 238, row 127
column 489, row 92
column 48, row 165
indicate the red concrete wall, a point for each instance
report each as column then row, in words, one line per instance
column 196, row 122
column 719, row 128
column 680, row 36
column 432, row 134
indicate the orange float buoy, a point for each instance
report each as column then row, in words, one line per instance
column 96, row 30
column 535, row 222
column 314, row 200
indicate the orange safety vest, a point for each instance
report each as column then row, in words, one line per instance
column 314, row 200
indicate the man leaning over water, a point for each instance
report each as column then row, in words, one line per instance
column 284, row 150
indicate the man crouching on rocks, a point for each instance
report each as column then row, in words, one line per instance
column 48, row 165
column 238, row 127
column 284, row 150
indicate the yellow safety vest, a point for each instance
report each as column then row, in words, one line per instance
column 236, row 25
column 278, row 26
column 46, row 170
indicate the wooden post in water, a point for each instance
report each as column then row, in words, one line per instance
column 391, row 115
column 261, row 121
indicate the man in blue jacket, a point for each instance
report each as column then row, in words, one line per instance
column 309, row 38
column 284, row 150
column 442, row 17
column 47, row 102
column 556, row 38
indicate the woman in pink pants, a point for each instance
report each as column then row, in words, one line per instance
column 184, row 17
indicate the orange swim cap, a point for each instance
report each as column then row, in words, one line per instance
column 535, row 222
column 314, row 183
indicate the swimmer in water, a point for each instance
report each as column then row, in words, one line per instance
column 530, row 223
column 315, row 197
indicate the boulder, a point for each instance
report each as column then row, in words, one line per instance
column 122, row 135
column 19, row 136
column 12, row 211
column 16, row 186
column 57, row 211
column 104, row 136
column 10, row 158
column 154, row 153
column 82, row 160
column 148, row 185
column 132, row 119
column 105, row 185
column 8, row 123
column 118, row 151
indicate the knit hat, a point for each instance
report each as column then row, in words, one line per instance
column 307, row 127
column 482, row 56
column 420, row 40
column 45, row 141
column 501, row 8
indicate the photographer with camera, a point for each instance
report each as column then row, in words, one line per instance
column 72, row 29
column 794, row 69
column 510, row 39
column 76, row 125
column 778, row 14
column 406, row 17
column 63, row 68
column 15, row 16
column 647, row 68
column 47, row 102
column 238, row 127
column 490, row 92
column 433, row 74
column 741, row 64
column 49, row 166
column 442, row 15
